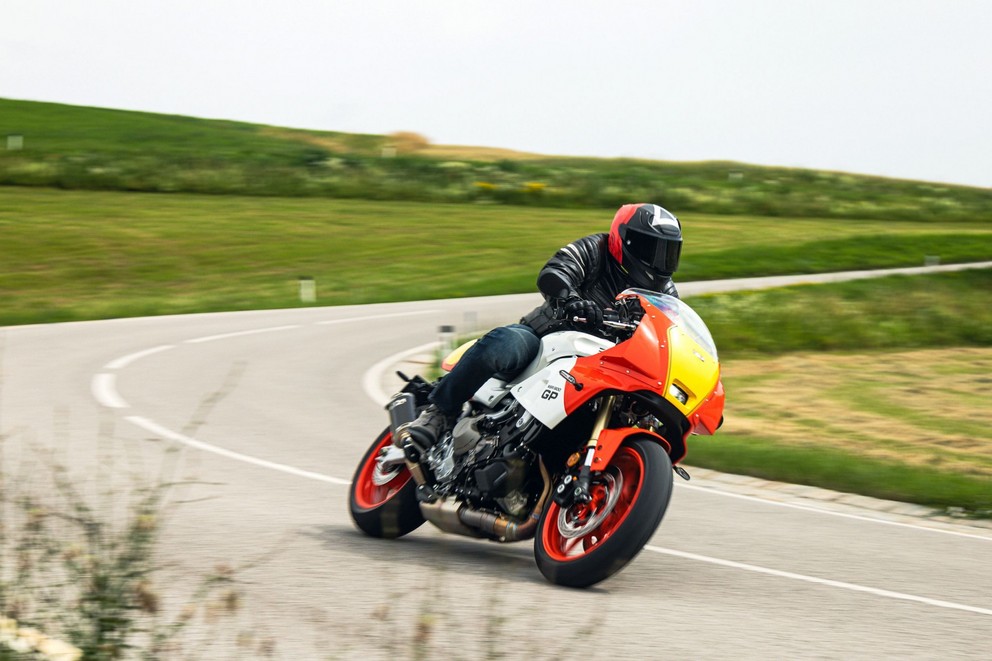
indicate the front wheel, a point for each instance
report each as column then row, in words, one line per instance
column 383, row 501
column 589, row 542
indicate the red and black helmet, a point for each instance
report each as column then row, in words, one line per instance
column 646, row 240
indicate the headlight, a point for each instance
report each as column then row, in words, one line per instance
column 678, row 394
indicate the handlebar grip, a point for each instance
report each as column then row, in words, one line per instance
column 619, row 325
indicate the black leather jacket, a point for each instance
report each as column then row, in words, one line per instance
column 591, row 273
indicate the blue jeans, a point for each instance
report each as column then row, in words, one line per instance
column 503, row 352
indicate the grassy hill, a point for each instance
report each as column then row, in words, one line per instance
column 71, row 255
column 74, row 147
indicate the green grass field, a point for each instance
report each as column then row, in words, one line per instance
column 71, row 255
column 894, row 312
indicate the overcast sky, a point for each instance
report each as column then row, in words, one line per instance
column 894, row 87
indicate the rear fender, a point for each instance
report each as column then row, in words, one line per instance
column 611, row 439
column 452, row 358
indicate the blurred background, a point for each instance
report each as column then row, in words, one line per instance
column 179, row 157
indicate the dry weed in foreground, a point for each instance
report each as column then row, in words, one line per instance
column 85, row 575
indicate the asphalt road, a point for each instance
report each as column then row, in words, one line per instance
column 260, row 418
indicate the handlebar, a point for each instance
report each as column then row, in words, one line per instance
column 618, row 325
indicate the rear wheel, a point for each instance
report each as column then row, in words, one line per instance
column 383, row 501
column 589, row 542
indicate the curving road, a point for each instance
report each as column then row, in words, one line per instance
column 260, row 418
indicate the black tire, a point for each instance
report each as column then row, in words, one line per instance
column 387, row 511
column 590, row 552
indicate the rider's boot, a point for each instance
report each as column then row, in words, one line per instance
column 424, row 432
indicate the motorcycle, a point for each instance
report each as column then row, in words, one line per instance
column 577, row 452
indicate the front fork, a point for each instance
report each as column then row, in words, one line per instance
column 580, row 490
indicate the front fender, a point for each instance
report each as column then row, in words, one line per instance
column 611, row 439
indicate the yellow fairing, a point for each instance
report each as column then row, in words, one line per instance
column 691, row 368
column 456, row 355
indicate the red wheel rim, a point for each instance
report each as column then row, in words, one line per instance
column 370, row 494
column 565, row 538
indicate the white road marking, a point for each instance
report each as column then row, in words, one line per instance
column 820, row 581
column 752, row 284
column 372, row 380
column 256, row 331
column 124, row 361
column 374, row 317
column 105, row 391
column 817, row 510
column 162, row 432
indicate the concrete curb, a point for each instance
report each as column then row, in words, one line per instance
column 837, row 502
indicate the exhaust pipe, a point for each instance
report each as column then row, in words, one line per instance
column 500, row 527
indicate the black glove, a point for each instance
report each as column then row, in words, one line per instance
column 588, row 311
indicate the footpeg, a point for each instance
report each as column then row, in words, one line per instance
column 683, row 473
column 425, row 494
column 411, row 451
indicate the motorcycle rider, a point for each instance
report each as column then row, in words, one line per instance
column 582, row 279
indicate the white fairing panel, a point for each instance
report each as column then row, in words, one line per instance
column 540, row 388
column 554, row 347
column 543, row 394
column 566, row 343
column 491, row 392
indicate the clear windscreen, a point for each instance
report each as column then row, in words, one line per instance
column 679, row 312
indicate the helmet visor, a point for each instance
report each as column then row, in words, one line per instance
column 659, row 254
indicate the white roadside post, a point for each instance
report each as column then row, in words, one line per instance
column 446, row 337
column 308, row 289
